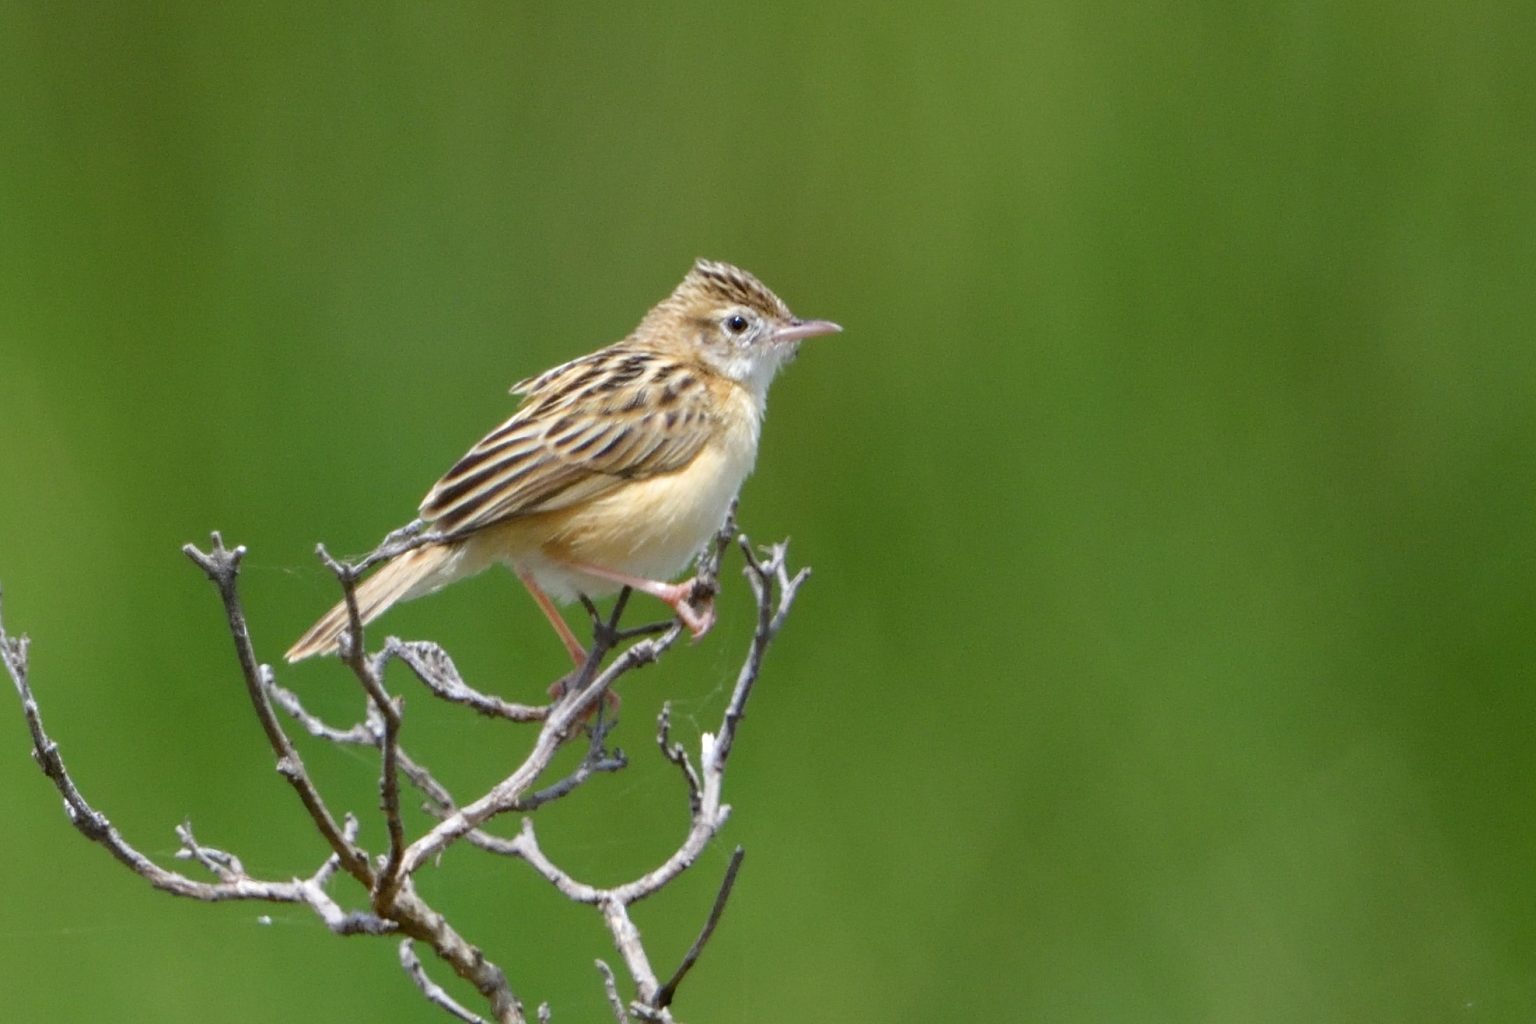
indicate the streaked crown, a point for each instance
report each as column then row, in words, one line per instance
column 712, row 281
column 707, row 289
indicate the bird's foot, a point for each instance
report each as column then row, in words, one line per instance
column 694, row 603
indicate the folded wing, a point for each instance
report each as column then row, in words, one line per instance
column 585, row 428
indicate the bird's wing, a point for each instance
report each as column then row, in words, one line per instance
column 585, row 428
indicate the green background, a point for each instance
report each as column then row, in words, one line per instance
column 1170, row 492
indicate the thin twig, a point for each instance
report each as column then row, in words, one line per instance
column 433, row 992
column 409, row 537
column 224, row 866
column 369, row 676
column 222, row 566
column 611, row 988
column 664, row 996
column 775, row 591
column 678, row 755
column 361, row 733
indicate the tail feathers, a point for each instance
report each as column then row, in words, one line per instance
column 406, row 576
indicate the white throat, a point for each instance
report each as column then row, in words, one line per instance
column 755, row 369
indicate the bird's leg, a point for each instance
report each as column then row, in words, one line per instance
column 578, row 653
column 677, row 596
column 572, row 645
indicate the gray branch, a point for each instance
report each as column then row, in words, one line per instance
column 664, row 997
column 392, row 905
column 775, row 590
column 232, row 883
column 433, row 992
column 611, row 989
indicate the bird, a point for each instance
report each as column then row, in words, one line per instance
column 614, row 470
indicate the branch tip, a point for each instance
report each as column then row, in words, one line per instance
column 667, row 992
column 611, row 989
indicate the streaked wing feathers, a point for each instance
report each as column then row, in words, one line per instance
column 584, row 428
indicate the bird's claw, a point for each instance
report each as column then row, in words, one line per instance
column 695, row 607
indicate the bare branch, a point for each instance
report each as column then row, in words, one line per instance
column 611, row 987
column 627, row 938
column 560, row 724
column 224, row 866
column 431, row 664
column 409, row 537
column 233, row 883
column 775, row 591
column 396, row 906
column 405, row 910
column 362, row 733
column 369, row 673
column 222, row 566
column 598, row 760
column 94, row 825
column 420, row 922
column 431, row 989
column 322, row 877
column 678, row 755
column 441, row 804
column 664, row 996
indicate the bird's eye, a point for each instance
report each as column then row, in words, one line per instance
column 736, row 323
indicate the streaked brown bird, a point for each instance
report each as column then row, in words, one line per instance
column 616, row 468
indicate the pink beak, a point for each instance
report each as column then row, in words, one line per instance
column 797, row 330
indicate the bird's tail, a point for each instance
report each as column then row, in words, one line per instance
column 403, row 577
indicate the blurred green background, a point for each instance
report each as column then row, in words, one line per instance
column 1170, row 493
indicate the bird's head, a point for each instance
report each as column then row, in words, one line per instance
column 729, row 320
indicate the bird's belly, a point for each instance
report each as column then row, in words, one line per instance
column 649, row 528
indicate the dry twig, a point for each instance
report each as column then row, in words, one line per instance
column 393, row 906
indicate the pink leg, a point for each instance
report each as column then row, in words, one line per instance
column 675, row 595
column 577, row 651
